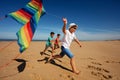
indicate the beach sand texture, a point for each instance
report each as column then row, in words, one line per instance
column 97, row 60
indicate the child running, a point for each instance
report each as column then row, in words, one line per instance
column 69, row 35
column 49, row 43
column 56, row 43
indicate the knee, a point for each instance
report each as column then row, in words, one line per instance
column 72, row 58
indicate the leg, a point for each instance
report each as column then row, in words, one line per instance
column 54, row 57
column 52, row 50
column 54, row 46
column 57, row 46
column 60, row 55
column 57, row 56
column 51, row 56
column 72, row 62
column 45, row 50
column 46, row 47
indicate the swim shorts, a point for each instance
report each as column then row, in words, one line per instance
column 66, row 51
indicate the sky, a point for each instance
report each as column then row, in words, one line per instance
column 96, row 19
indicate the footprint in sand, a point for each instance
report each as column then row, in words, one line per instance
column 91, row 58
column 98, row 69
column 71, row 77
column 96, row 63
column 113, row 62
column 106, row 71
column 101, row 75
column 100, row 72
column 67, row 77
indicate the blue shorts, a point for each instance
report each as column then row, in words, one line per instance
column 66, row 51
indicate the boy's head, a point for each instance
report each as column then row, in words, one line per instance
column 72, row 27
column 52, row 34
column 58, row 35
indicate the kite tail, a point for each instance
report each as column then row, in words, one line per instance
column 20, row 43
column 25, row 35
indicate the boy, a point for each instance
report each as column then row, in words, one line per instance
column 49, row 43
column 69, row 35
column 56, row 43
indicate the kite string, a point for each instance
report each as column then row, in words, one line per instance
column 6, row 46
column 8, row 63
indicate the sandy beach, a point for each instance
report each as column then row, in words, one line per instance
column 97, row 60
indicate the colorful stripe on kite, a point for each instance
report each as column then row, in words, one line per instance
column 24, row 15
column 29, row 16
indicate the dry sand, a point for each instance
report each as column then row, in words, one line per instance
column 97, row 60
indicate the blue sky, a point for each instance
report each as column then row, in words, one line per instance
column 97, row 19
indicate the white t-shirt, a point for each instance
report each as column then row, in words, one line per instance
column 67, row 39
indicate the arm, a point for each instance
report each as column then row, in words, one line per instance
column 78, row 42
column 64, row 26
column 49, row 39
column 52, row 41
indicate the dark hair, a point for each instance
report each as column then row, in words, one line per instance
column 52, row 33
column 58, row 34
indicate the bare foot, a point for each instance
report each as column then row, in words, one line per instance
column 50, row 58
column 77, row 72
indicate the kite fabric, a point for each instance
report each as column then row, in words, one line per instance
column 29, row 17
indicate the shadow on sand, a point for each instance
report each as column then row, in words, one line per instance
column 54, row 63
column 22, row 66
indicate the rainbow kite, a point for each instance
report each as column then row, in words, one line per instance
column 29, row 17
